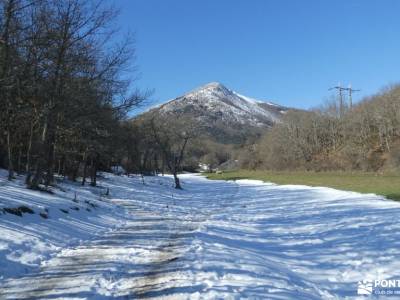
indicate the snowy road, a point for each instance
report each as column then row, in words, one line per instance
column 226, row 240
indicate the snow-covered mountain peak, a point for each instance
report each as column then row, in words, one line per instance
column 216, row 99
column 218, row 108
column 217, row 89
column 212, row 89
column 213, row 84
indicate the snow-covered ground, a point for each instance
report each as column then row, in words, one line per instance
column 213, row 240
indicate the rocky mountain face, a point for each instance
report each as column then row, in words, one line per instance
column 225, row 115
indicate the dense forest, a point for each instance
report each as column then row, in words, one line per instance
column 66, row 95
column 64, row 89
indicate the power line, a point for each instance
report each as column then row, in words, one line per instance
column 351, row 91
column 340, row 90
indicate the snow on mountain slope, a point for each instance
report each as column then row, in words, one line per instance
column 214, row 101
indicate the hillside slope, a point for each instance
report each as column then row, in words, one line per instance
column 225, row 115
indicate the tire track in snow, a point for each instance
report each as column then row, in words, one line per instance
column 194, row 218
column 86, row 271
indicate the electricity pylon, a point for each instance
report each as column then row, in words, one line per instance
column 340, row 90
column 351, row 91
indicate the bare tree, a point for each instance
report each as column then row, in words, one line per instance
column 63, row 87
column 172, row 137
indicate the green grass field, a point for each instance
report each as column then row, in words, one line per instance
column 385, row 185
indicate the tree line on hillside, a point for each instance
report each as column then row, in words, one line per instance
column 364, row 137
column 66, row 97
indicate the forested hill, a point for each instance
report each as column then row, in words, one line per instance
column 365, row 137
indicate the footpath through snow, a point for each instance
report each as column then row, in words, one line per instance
column 213, row 240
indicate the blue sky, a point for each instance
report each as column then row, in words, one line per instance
column 286, row 51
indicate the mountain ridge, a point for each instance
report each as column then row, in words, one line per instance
column 223, row 112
